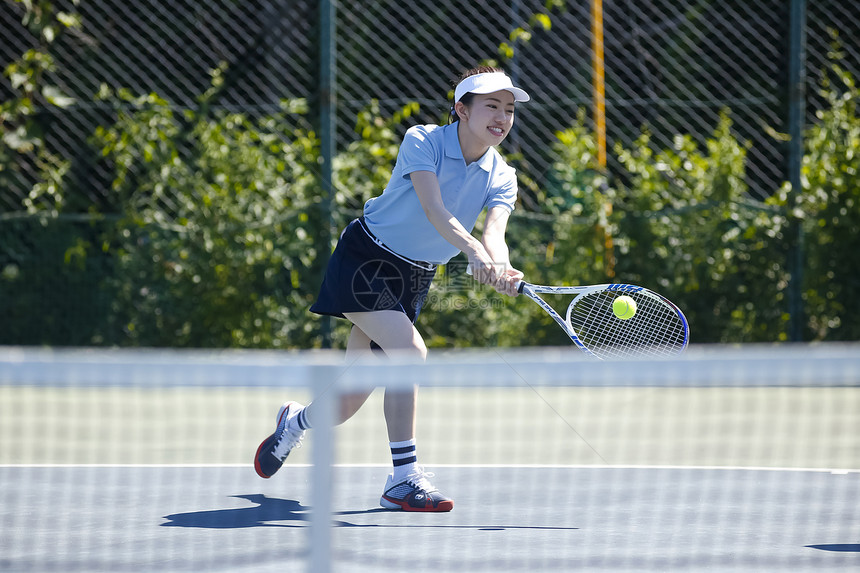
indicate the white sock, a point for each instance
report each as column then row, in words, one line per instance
column 300, row 421
column 404, row 457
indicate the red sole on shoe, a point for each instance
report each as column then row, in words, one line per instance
column 442, row 507
column 281, row 413
column 257, row 467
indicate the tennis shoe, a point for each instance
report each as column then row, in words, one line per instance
column 275, row 449
column 415, row 493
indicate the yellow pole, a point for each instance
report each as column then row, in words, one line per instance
column 599, row 96
column 597, row 79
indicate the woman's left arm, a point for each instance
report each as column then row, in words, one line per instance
column 494, row 242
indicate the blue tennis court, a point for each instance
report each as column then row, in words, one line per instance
column 161, row 518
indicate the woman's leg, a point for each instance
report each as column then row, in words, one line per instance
column 394, row 332
column 399, row 407
column 407, row 487
column 358, row 346
column 294, row 419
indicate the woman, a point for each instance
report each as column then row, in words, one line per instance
column 380, row 272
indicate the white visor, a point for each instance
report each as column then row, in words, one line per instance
column 487, row 84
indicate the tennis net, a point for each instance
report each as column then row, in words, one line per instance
column 732, row 458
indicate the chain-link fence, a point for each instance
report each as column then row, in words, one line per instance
column 74, row 68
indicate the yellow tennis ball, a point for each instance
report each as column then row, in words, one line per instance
column 624, row 307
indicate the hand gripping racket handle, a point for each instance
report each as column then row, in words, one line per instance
column 520, row 285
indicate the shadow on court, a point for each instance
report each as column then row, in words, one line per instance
column 839, row 547
column 266, row 510
column 269, row 509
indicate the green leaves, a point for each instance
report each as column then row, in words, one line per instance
column 830, row 205
column 680, row 223
column 521, row 35
column 363, row 169
column 218, row 218
column 21, row 144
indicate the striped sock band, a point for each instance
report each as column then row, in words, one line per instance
column 403, row 455
column 301, row 420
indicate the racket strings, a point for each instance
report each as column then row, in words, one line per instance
column 655, row 329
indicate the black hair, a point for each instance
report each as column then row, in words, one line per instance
column 468, row 97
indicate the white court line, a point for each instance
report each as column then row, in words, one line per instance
column 138, row 466
column 836, row 471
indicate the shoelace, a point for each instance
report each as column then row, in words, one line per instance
column 419, row 479
column 289, row 439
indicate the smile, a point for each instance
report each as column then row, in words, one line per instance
column 497, row 131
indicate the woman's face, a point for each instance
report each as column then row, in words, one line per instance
column 489, row 117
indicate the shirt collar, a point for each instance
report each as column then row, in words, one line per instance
column 453, row 150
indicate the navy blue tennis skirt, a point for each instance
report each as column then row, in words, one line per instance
column 364, row 275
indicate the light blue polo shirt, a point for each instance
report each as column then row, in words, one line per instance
column 397, row 218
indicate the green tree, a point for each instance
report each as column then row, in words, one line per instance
column 829, row 204
column 26, row 163
column 217, row 233
column 681, row 224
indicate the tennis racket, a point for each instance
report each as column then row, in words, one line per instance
column 658, row 328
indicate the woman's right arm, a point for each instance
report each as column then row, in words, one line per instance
column 430, row 195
